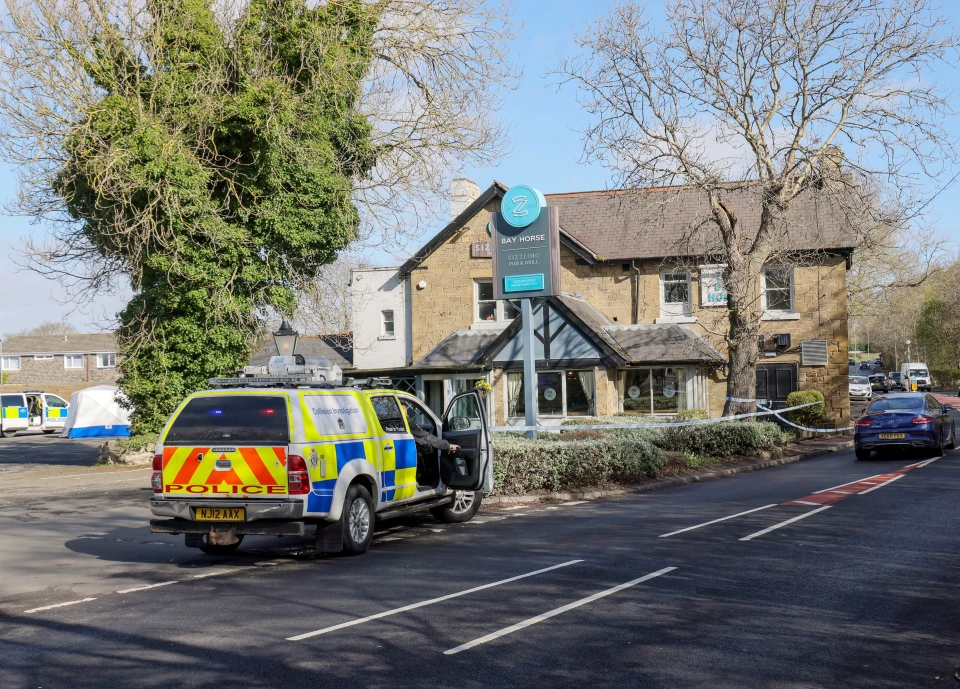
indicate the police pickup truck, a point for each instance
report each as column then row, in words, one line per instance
column 289, row 450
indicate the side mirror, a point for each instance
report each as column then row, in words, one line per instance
column 948, row 407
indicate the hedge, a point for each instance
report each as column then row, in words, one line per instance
column 808, row 416
column 549, row 463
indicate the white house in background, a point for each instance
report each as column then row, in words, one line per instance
column 380, row 298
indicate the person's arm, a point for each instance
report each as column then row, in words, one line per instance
column 421, row 437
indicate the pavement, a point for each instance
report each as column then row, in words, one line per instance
column 826, row 573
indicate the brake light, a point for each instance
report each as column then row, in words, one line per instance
column 156, row 480
column 919, row 420
column 864, row 422
column 298, row 481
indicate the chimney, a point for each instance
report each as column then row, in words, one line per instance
column 463, row 192
column 831, row 168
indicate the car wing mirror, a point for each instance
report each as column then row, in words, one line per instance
column 948, row 407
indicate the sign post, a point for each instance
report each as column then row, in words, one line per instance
column 526, row 265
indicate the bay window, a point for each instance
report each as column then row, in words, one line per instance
column 559, row 393
column 654, row 390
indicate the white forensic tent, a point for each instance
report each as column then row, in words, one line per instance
column 96, row 413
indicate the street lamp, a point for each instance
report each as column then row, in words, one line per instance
column 286, row 339
column 908, row 351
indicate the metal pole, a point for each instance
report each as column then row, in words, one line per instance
column 529, row 368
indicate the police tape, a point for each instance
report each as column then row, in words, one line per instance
column 805, row 428
column 674, row 424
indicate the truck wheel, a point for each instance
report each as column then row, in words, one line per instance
column 48, row 431
column 357, row 520
column 8, row 434
column 465, row 505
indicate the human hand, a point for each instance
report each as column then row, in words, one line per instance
column 454, row 448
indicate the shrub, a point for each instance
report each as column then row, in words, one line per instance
column 808, row 416
column 549, row 463
column 692, row 415
column 723, row 439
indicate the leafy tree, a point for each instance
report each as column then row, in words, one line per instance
column 216, row 175
column 45, row 328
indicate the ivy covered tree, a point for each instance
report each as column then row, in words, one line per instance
column 216, row 174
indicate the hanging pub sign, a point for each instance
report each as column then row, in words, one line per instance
column 712, row 290
column 526, row 240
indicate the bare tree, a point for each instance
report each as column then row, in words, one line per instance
column 752, row 103
column 45, row 328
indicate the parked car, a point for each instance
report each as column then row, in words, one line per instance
column 878, row 383
column 851, row 362
column 905, row 421
column 860, row 388
column 864, row 365
column 893, row 380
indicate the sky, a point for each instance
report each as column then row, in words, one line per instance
column 546, row 149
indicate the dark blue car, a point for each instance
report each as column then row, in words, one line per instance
column 905, row 421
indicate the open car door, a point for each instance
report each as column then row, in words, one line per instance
column 465, row 424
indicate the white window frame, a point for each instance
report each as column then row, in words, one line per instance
column 778, row 314
column 66, row 362
column 103, row 366
column 680, row 312
column 10, row 357
column 43, row 357
column 384, row 335
column 500, row 314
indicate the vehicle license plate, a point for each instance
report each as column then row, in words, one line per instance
column 892, row 436
column 221, row 514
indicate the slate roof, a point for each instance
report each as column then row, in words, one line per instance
column 75, row 343
column 460, row 348
column 650, row 343
column 673, row 221
column 631, row 344
column 336, row 348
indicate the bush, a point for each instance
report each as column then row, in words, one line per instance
column 723, row 439
column 692, row 415
column 550, row 463
column 808, row 416
column 945, row 377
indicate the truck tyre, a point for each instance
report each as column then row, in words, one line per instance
column 357, row 520
column 8, row 434
column 462, row 508
column 862, row 455
column 48, row 431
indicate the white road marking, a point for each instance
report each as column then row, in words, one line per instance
column 789, row 521
column 881, row 485
column 804, row 502
column 476, row 521
column 58, row 605
column 556, row 611
column 929, row 461
column 575, row 502
column 722, row 519
column 850, row 483
column 387, row 539
column 216, row 574
column 151, row 586
column 414, row 606
column 514, row 507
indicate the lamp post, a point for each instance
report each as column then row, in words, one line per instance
column 286, row 339
column 908, row 351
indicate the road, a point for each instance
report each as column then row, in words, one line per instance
column 765, row 580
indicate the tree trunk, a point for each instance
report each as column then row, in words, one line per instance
column 742, row 349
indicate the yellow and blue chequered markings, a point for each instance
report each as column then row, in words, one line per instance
column 15, row 413
column 56, row 413
column 399, row 473
column 335, row 454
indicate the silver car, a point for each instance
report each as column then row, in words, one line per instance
column 860, row 388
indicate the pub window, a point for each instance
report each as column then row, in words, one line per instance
column 777, row 289
column 559, row 393
column 674, row 293
column 654, row 390
column 486, row 308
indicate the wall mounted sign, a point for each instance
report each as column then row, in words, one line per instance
column 526, row 259
column 521, row 205
column 480, row 250
column 712, row 291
